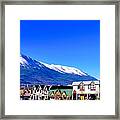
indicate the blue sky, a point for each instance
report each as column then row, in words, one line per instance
column 66, row 42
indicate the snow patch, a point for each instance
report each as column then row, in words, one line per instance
column 23, row 61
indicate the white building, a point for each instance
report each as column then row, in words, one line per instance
column 86, row 90
column 39, row 93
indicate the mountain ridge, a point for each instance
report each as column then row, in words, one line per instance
column 36, row 72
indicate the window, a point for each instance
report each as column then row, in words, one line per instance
column 92, row 86
column 81, row 86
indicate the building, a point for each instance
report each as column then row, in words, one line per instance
column 82, row 90
column 86, row 90
column 35, row 92
column 61, row 92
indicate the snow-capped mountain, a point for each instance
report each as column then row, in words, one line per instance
column 59, row 68
column 36, row 72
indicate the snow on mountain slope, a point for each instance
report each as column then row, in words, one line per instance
column 23, row 61
column 59, row 68
column 65, row 69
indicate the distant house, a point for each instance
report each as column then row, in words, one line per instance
column 61, row 92
column 86, row 90
column 39, row 92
